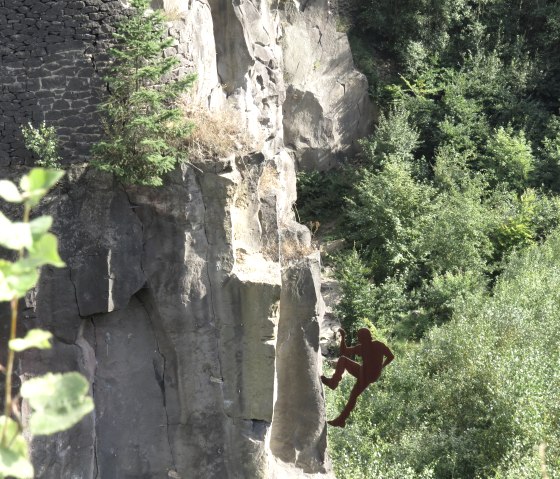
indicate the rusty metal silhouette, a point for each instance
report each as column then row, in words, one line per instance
column 375, row 356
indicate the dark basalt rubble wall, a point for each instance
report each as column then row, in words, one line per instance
column 48, row 71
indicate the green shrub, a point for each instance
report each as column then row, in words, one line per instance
column 357, row 302
column 394, row 138
column 435, row 301
column 510, row 158
column 386, row 214
column 547, row 165
column 142, row 125
column 451, row 192
column 320, row 194
column 546, row 214
column 452, row 170
column 44, row 143
column 516, row 228
column 364, row 304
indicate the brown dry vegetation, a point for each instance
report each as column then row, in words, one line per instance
column 292, row 250
column 216, row 134
column 292, row 247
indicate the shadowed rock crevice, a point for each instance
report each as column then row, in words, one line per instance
column 131, row 414
column 233, row 58
column 164, row 368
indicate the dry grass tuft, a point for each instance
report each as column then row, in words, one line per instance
column 173, row 14
column 293, row 247
column 291, row 250
column 216, row 134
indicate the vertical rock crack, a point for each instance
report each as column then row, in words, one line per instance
column 161, row 382
column 95, row 457
column 211, row 286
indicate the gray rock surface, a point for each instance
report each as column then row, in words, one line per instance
column 327, row 106
column 299, row 434
column 194, row 309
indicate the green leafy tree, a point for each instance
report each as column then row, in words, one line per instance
column 517, row 227
column 58, row 401
column 461, row 182
column 455, row 234
column 364, row 304
column 547, row 165
column 386, row 215
column 394, row 137
column 357, row 303
column 143, row 126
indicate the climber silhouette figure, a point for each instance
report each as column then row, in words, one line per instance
column 375, row 356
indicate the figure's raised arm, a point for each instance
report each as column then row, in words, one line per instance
column 347, row 351
column 389, row 356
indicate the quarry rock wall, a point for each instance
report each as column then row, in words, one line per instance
column 192, row 309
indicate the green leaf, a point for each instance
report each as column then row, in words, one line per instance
column 35, row 338
column 14, row 235
column 14, row 460
column 59, row 401
column 45, row 251
column 9, row 192
column 16, row 279
column 36, row 184
column 39, row 226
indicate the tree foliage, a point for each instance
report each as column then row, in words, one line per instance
column 44, row 143
column 453, row 213
column 477, row 397
column 462, row 168
column 142, row 124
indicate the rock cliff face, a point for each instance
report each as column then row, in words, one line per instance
column 327, row 107
column 192, row 309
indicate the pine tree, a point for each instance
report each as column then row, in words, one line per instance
column 142, row 124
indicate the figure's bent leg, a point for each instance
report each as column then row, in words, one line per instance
column 340, row 421
column 342, row 364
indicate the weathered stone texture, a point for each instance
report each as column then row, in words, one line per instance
column 327, row 107
column 299, row 434
column 194, row 372
column 51, row 69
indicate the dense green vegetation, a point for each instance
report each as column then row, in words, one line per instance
column 476, row 397
column 450, row 214
column 144, row 128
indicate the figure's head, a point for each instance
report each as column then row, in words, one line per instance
column 364, row 336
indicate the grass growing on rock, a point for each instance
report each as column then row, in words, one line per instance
column 216, row 134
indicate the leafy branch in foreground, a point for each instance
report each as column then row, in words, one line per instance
column 58, row 400
column 142, row 125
